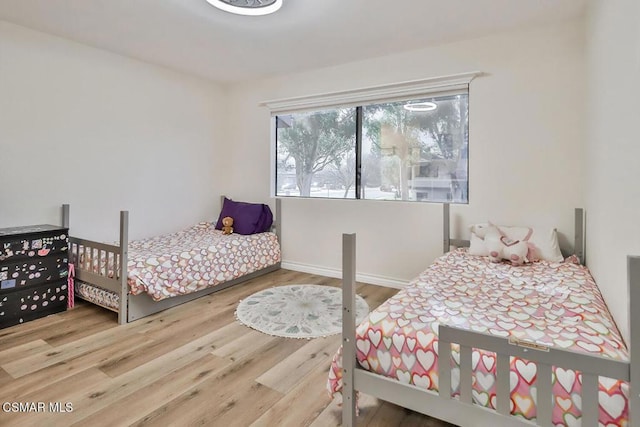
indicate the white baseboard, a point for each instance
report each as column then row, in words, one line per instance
column 371, row 279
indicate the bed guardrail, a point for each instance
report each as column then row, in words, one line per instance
column 96, row 262
column 591, row 367
column 100, row 263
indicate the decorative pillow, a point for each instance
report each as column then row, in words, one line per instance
column 478, row 246
column 248, row 218
column 266, row 220
column 543, row 243
column 546, row 243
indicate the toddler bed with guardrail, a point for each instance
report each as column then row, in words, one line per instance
column 139, row 278
column 529, row 344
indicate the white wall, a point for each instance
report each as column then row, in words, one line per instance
column 526, row 145
column 103, row 133
column 613, row 149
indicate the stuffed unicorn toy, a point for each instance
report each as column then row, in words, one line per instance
column 497, row 245
column 509, row 249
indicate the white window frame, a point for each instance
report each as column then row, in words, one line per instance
column 428, row 87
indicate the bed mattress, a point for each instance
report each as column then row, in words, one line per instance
column 185, row 262
column 97, row 295
column 554, row 304
column 196, row 258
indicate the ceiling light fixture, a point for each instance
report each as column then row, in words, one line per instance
column 247, row 7
column 421, row 106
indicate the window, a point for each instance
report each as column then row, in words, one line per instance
column 410, row 148
column 416, row 150
column 316, row 154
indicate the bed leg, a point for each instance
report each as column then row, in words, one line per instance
column 633, row 272
column 348, row 329
column 123, row 310
column 122, row 318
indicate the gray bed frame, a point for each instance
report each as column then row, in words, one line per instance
column 463, row 411
column 134, row 307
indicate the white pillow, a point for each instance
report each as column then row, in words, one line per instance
column 478, row 246
column 544, row 240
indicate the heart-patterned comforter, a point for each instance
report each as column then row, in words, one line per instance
column 196, row 258
column 555, row 304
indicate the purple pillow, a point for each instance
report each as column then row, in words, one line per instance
column 248, row 218
column 266, row 220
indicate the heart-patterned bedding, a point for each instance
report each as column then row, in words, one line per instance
column 179, row 263
column 196, row 258
column 555, row 304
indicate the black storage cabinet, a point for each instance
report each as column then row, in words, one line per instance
column 33, row 272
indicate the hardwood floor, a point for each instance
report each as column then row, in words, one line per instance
column 190, row 365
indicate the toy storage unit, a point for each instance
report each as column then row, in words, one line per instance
column 33, row 272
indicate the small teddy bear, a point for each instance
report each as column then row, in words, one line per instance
column 227, row 225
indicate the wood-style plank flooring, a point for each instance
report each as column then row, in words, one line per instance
column 190, row 365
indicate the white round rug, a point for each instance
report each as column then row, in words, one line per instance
column 297, row 311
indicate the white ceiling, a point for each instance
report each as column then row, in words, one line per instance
column 192, row 36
